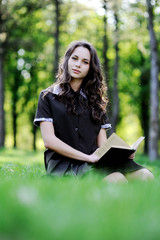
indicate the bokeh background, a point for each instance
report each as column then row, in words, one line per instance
column 34, row 36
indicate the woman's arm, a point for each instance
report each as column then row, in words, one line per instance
column 101, row 137
column 52, row 142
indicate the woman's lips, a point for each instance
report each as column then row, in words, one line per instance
column 76, row 71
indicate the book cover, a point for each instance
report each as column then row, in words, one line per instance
column 115, row 150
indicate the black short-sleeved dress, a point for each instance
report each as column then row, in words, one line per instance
column 77, row 130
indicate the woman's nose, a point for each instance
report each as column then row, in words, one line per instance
column 78, row 64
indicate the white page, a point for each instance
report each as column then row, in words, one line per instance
column 136, row 144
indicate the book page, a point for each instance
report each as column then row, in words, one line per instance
column 102, row 150
column 136, row 144
column 112, row 141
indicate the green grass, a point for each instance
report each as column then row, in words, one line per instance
column 33, row 206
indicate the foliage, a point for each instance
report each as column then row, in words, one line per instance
column 30, row 29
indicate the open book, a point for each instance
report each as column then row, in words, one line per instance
column 115, row 150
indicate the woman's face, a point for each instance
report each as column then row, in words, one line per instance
column 79, row 63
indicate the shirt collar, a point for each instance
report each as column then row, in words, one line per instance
column 57, row 89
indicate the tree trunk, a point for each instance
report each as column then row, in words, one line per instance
column 105, row 44
column 56, row 38
column 115, row 98
column 144, row 100
column 154, row 103
column 144, row 106
column 15, row 87
column 2, row 123
column 14, row 117
column 34, row 130
column 105, row 60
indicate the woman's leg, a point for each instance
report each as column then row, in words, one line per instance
column 142, row 174
column 115, row 177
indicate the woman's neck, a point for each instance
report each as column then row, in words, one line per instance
column 75, row 85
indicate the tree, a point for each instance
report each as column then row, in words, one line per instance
column 105, row 42
column 144, row 103
column 2, row 125
column 106, row 60
column 56, row 35
column 15, row 98
column 115, row 97
column 2, row 52
column 154, row 101
column 19, row 23
column 31, row 98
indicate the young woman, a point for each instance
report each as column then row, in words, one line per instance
column 72, row 118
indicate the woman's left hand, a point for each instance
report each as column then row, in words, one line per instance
column 132, row 156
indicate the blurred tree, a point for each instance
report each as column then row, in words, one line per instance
column 133, row 81
column 36, row 67
column 144, row 100
column 106, row 67
column 31, row 97
column 115, row 98
column 34, row 42
column 154, row 99
column 57, row 32
column 140, row 61
column 105, row 43
column 3, row 36
column 115, row 7
column 14, row 99
column 20, row 27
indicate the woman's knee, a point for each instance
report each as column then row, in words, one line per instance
column 146, row 174
column 142, row 174
column 115, row 177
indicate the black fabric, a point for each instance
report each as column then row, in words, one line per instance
column 44, row 109
column 123, row 167
column 58, row 165
column 77, row 130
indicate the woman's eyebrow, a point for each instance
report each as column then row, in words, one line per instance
column 86, row 59
column 78, row 57
column 74, row 55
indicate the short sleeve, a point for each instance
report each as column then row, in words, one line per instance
column 106, row 125
column 43, row 112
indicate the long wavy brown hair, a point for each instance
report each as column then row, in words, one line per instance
column 92, row 85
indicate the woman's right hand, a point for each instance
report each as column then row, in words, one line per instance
column 93, row 158
column 55, row 144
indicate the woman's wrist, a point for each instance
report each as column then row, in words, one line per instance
column 85, row 157
column 93, row 158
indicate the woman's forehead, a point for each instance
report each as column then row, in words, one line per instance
column 82, row 52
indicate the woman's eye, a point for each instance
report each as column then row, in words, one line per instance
column 74, row 58
column 86, row 62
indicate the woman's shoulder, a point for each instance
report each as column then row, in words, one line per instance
column 52, row 90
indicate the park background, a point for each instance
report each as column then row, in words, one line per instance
column 33, row 38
